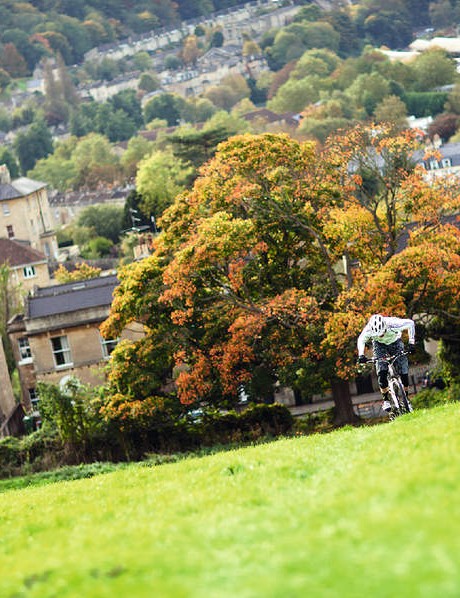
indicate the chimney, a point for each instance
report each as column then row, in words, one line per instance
column 5, row 177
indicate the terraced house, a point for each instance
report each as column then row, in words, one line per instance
column 58, row 336
column 25, row 214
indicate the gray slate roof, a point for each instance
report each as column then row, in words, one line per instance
column 72, row 296
column 20, row 187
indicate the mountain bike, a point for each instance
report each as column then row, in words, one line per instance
column 397, row 396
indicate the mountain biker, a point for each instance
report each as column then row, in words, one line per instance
column 385, row 334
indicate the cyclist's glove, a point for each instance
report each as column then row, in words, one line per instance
column 362, row 359
column 411, row 348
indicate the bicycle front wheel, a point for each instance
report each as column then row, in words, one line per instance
column 399, row 397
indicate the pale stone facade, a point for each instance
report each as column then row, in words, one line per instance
column 7, row 401
column 25, row 213
column 58, row 336
column 28, row 267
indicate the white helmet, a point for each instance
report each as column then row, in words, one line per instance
column 377, row 325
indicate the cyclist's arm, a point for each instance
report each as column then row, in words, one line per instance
column 363, row 338
column 404, row 324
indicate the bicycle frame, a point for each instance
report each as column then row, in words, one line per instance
column 399, row 398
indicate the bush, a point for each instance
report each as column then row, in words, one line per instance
column 312, row 423
column 273, row 419
column 431, row 397
column 425, row 103
column 71, row 433
column 10, row 456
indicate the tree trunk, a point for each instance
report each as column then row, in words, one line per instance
column 343, row 410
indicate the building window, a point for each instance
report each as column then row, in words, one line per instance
column 446, row 162
column 61, row 351
column 34, row 398
column 6, row 209
column 10, row 231
column 24, row 350
column 108, row 345
column 29, row 272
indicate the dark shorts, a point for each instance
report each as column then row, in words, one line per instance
column 382, row 350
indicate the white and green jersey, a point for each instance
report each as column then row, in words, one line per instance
column 394, row 329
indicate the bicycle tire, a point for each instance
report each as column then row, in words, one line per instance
column 393, row 391
column 401, row 397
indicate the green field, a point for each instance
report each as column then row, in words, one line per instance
column 372, row 511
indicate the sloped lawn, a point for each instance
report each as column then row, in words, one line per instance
column 360, row 512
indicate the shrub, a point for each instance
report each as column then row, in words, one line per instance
column 431, row 397
column 10, row 455
column 273, row 419
column 70, row 410
column 323, row 421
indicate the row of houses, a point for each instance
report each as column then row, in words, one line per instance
column 55, row 330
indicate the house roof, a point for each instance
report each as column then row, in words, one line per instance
column 18, row 254
column 447, row 150
column 20, row 187
column 449, row 44
column 72, row 296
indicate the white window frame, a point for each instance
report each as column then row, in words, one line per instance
column 29, row 272
column 10, row 231
column 6, row 208
column 446, row 162
column 61, row 351
column 108, row 345
column 25, row 353
column 34, row 398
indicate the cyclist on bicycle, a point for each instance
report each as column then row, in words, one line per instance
column 385, row 334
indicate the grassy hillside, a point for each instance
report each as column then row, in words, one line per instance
column 359, row 512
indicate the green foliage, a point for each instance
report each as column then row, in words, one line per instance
column 292, row 41
column 62, row 474
column 76, row 163
column 40, row 450
column 70, row 410
column 434, row 68
column 97, row 247
column 160, row 178
column 295, row 95
column 321, row 129
column 425, row 103
column 105, row 219
column 433, row 397
column 7, row 157
column 313, row 423
column 196, row 147
column 389, row 28
column 119, row 118
column 33, row 144
column 166, row 106
column 10, row 457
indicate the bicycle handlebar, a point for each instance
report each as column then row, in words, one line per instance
column 388, row 358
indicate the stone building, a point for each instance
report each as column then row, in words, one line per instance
column 28, row 267
column 25, row 213
column 57, row 336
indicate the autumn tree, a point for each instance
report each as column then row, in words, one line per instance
column 82, row 271
column 139, row 371
column 400, row 227
column 247, row 274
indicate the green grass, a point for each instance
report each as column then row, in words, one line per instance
column 371, row 512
